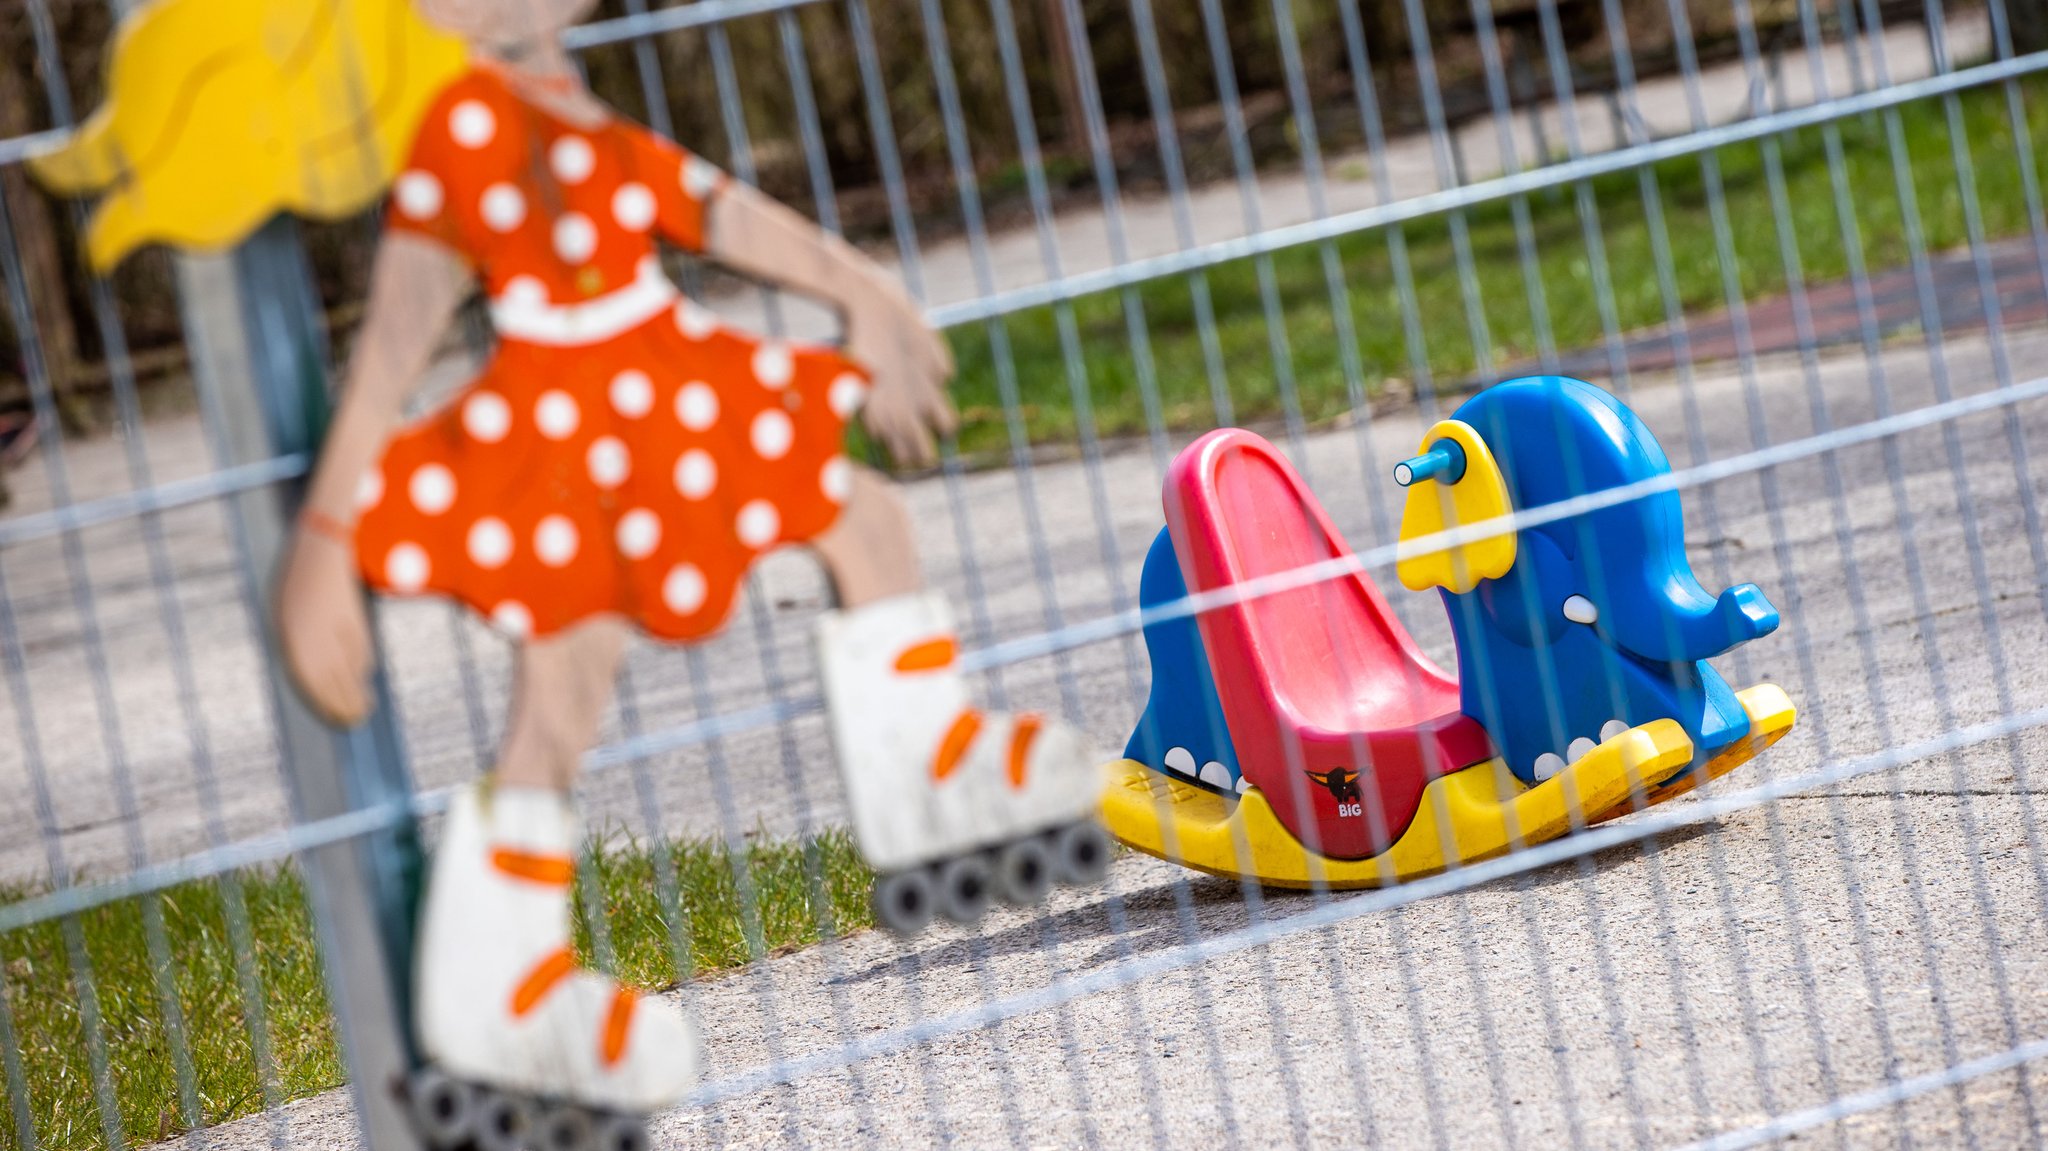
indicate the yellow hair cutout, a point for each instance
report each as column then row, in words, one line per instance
column 222, row 113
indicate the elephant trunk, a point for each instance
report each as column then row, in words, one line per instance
column 1682, row 624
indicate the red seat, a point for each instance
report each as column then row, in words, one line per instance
column 1337, row 717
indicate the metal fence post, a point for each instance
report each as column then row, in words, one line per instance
column 259, row 349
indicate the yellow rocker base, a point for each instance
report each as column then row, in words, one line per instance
column 1771, row 716
column 1474, row 814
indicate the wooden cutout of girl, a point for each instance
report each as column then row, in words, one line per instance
column 618, row 464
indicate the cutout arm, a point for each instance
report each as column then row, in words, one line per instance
column 886, row 333
column 415, row 288
column 321, row 622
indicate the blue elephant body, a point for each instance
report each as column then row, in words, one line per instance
column 1183, row 731
column 1600, row 618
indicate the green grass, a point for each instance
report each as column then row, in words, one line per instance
column 303, row 1045
column 1564, row 267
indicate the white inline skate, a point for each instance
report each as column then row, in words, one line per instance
column 953, row 806
column 525, row 1050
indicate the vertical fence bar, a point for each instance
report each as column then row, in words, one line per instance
column 903, row 226
column 258, row 347
column 1160, row 104
column 1278, row 349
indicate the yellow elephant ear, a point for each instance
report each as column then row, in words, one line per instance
column 1452, row 482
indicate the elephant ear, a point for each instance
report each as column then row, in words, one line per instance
column 1453, row 483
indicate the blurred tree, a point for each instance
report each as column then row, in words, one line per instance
column 35, row 231
column 1072, row 135
column 2029, row 24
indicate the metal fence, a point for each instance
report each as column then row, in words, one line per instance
column 1813, row 258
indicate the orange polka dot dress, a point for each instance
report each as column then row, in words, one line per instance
column 622, row 453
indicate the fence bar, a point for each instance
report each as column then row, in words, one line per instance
column 1862, row 1102
column 641, row 25
column 161, row 497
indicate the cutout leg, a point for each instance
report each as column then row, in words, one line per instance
column 559, row 694
column 501, row 1000
column 871, row 552
column 930, row 778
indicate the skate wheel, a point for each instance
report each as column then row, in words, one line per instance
column 1023, row 871
column 563, row 1128
column 964, row 889
column 502, row 1122
column 1080, row 852
column 903, row 901
column 621, row 1133
column 443, row 1109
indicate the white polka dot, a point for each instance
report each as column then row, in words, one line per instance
column 632, row 393
column 525, row 291
column 418, row 195
column 774, row 366
column 406, row 568
column 835, row 479
column 759, row 523
column 696, row 474
column 697, row 405
column 608, row 462
column 490, row 543
column 556, row 414
column 432, row 488
column 694, row 322
column 772, row 433
column 633, row 207
column 554, row 541
column 700, row 177
column 639, row 534
column 503, row 207
column 846, row 394
column 575, row 237
column 472, row 124
column 369, row 489
column 512, row 618
column 571, row 159
column 683, row 591
column 486, row 417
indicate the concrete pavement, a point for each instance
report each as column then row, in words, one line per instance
column 1764, row 962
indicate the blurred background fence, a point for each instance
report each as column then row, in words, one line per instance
column 1804, row 238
